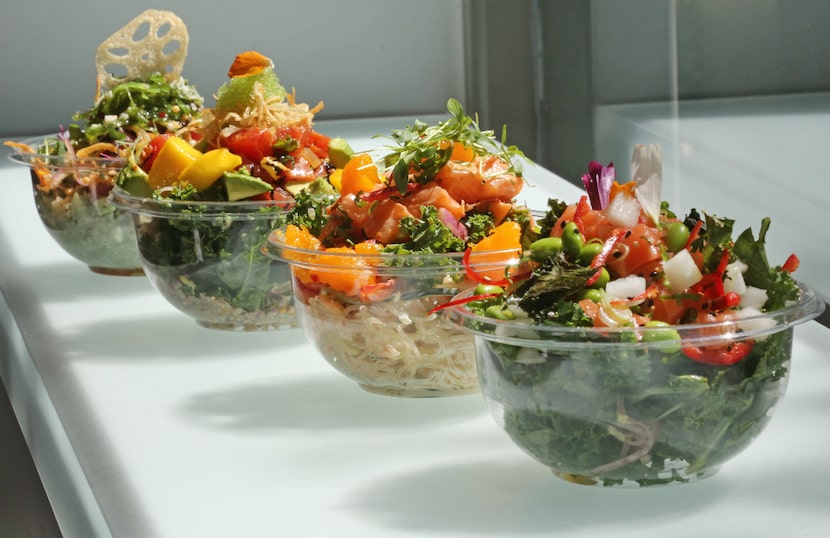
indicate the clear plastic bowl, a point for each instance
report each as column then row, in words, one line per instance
column 371, row 317
column 71, row 198
column 627, row 406
column 206, row 259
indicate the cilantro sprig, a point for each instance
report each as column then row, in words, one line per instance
column 423, row 149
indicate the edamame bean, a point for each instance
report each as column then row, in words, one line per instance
column 572, row 241
column 589, row 252
column 604, row 278
column 497, row 312
column 547, row 247
column 592, row 294
column 488, row 289
column 676, row 236
column 660, row 331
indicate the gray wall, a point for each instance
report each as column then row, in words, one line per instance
column 543, row 67
column 361, row 57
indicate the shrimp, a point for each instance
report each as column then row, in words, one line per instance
column 483, row 178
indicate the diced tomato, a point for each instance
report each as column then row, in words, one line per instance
column 252, row 144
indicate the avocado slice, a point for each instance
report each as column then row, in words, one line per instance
column 134, row 180
column 340, row 152
column 240, row 186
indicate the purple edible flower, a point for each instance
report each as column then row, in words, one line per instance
column 598, row 182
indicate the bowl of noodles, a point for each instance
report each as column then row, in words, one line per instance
column 373, row 314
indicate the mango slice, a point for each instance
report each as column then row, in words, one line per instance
column 174, row 156
column 208, row 167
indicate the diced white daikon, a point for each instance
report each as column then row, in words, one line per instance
column 626, row 287
column 623, row 210
column 754, row 298
column 734, row 281
column 681, row 271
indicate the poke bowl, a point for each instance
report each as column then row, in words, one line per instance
column 627, row 406
column 70, row 193
column 204, row 258
column 642, row 348
column 373, row 315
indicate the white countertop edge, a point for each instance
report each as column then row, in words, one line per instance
column 67, row 488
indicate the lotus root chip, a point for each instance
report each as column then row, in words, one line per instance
column 154, row 41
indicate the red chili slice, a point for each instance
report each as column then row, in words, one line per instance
column 464, row 300
column 791, row 264
column 694, row 234
column 600, row 259
column 475, row 277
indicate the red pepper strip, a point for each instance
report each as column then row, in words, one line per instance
column 791, row 264
column 607, row 248
column 711, row 285
column 720, row 355
column 582, row 207
column 694, row 234
column 464, row 300
column 475, row 277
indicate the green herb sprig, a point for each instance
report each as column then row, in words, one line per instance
column 423, row 149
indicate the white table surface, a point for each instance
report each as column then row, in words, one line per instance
column 144, row 424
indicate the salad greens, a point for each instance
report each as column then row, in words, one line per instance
column 422, row 149
column 621, row 414
column 590, row 356
column 122, row 113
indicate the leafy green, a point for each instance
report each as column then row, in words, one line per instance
column 715, row 237
column 547, row 296
column 478, row 226
column 555, row 209
column 310, row 208
column 780, row 285
column 216, row 256
column 427, row 235
column 583, row 410
column 154, row 105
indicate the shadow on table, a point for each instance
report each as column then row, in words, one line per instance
column 73, row 281
column 173, row 337
column 513, row 498
column 321, row 402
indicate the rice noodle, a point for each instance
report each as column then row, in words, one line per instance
column 395, row 346
column 263, row 110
